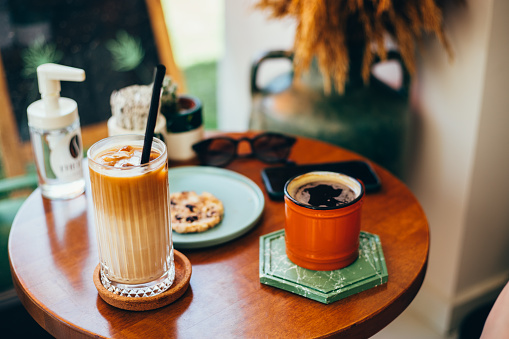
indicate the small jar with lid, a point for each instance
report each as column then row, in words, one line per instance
column 184, row 127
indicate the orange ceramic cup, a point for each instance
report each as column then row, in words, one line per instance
column 322, row 238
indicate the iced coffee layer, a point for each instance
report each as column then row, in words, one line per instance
column 132, row 213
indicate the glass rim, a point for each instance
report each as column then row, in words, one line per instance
column 136, row 137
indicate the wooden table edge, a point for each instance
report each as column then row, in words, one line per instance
column 40, row 313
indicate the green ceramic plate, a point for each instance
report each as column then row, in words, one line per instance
column 242, row 200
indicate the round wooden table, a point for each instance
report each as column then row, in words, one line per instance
column 53, row 253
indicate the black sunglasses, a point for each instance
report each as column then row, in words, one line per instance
column 268, row 147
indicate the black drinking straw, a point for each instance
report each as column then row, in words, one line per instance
column 152, row 113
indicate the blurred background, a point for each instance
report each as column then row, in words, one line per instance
column 455, row 158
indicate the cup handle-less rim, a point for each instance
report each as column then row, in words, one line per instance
column 357, row 199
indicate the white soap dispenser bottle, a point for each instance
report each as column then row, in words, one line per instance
column 56, row 134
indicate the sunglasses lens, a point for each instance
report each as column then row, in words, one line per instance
column 219, row 152
column 272, row 147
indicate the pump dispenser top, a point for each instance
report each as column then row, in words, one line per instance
column 55, row 133
column 52, row 111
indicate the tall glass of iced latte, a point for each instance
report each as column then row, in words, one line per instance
column 132, row 216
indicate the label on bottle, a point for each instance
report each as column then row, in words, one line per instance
column 66, row 156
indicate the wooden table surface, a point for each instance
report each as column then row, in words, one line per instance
column 53, row 253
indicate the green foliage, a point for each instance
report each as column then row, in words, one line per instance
column 126, row 50
column 201, row 82
column 37, row 54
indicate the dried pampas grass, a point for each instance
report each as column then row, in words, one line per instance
column 326, row 28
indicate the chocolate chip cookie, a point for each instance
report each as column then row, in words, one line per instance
column 191, row 212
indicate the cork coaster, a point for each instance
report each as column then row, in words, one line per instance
column 183, row 271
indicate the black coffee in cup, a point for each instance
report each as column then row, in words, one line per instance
column 324, row 189
column 324, row 193
column 322, row 220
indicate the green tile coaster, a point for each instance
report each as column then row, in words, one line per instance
column 368, row 271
